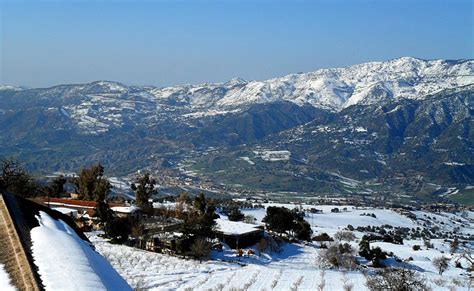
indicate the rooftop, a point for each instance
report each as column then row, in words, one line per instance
column 235, row 227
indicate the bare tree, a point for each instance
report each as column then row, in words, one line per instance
column 441, row 264
column 249, row 219
column 454, row 245
column 347, row 285
column 201, row 249
column 396, row 279
column 341, row 256
column 344, row 236
column 322, row 281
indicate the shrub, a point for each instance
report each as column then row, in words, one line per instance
column 396, row 279
column 323, row 237
column 344, row 236
column 235, row 214
column 441, row 264
column 416, row 247
column 200, row 249
column 341, row 256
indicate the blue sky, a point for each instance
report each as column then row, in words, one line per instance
column 44, row 43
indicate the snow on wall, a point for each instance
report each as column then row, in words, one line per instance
column 66, row 262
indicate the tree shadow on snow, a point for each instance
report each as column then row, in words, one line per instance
column 288, row 250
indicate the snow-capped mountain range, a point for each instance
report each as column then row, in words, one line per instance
column 334, row 89
column 367, row 121
column 98, row 106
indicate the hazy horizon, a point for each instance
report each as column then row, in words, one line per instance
column 167, row 43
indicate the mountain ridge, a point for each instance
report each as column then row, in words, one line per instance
column 382, row 116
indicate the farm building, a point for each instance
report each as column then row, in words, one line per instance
column 81, row 206
column 238, row 234
column 126, row 211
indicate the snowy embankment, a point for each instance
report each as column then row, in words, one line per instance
column 66, row 262
column 5, row 282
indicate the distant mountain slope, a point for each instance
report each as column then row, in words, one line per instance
column 101, row 106
column 399, row 145
column 380, row 120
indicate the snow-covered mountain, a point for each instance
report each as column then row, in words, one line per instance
column 367, row 121
column 103, row 105
column 331, row 88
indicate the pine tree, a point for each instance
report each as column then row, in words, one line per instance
column 56, row 187
column 16, row 180
column 144, row 188
column 91, row 183
column 364, row 248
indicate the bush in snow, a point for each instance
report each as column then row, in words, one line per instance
column 347, row 285
column 249, row 219
column 322, row 281
column 340, row 256
column 234, row 214
column 416, row 247
column 427, row 243
column 377, row 257
column 454, row 245
column 118, row 229
column 344, row 236
column 322, row 237
column 441, row 264
column 200, row 249
column 396, row 279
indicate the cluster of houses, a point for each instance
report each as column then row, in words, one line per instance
column 162, row 232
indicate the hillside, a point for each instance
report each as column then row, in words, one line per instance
column 298, row 265
column 403, row 126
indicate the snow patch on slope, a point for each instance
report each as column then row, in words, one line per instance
column 66, row 262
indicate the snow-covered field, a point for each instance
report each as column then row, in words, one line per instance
column 282, row 271
column 296, row 267
column 66, row 262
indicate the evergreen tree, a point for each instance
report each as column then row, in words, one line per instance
column 235, row 214
column 282, row 220
column 199, row 222
column 56, row 187
column 16, row 180
column 144, row 188
column 364, row 248
column 303, row 230
column 91, row 184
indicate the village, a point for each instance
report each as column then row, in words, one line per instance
column 363, row 240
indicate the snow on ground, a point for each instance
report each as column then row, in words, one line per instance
column 296, row 267
column 66, row 262
column 422, row 259
column 331, row 222
column 282, row 271
column 273, row 156
column 248, row 160
column 5, row 283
